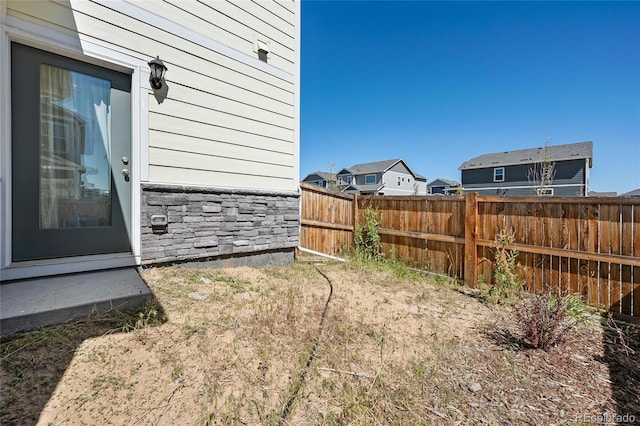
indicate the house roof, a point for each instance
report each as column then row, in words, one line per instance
column 324, row 175
column 375, row 167
column 444, row 181
column 572, row 151
column 379, row 167
column 634, row 193
column 602, row 194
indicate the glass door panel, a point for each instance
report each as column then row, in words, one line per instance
column 75, row 144
column 70, row 122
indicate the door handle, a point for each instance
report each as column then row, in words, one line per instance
column 125, row 173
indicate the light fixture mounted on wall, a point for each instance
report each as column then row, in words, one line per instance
column 158, row 70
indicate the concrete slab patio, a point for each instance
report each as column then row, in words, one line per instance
column 38, row 302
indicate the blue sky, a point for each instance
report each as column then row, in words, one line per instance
column 437, row 83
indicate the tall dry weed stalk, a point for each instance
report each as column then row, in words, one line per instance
column 368, row 244
column 506, row 280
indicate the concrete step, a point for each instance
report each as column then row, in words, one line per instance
column 38, row 302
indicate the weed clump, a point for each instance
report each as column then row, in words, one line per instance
column 506, row 280
column 145, row 317
column 368, row 244
column 543, row 319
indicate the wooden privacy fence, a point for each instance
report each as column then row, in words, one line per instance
column 589, row 246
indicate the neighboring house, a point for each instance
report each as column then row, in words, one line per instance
column 388, row 177
column 602, row 194
column 633, row 194
column 510, row 172
column 443, row 186
column 100, row 167
column 321, row 179
column 421, row 184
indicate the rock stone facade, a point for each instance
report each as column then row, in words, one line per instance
column 208, row 223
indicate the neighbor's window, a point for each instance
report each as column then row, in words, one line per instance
column 398, row 180
column 344, row 180
column 370, row 179
column 498, row 174
column 544, row 192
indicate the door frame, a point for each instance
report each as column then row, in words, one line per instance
column 14, row 29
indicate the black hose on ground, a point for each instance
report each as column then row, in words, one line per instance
column 312, row 353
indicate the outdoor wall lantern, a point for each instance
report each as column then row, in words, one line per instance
column 158, row 70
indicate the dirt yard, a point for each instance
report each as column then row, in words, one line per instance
column 256, row 346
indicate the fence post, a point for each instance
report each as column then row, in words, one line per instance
column 354, row 208
column 470, row 235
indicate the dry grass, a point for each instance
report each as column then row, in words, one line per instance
column 230, row 347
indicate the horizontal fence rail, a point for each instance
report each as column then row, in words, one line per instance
column 583, row 245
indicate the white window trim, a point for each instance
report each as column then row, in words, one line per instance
column 495, row 176
column 14, row 29
column 345, row 180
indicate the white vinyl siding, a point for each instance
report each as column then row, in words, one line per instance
column 225, row 122
column 214, row 149
column 287, row 4
column 402, row 184
column 205, row 132
column 233, row 24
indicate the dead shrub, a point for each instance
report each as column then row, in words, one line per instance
column 543, row 319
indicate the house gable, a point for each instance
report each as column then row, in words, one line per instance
column 401, row 167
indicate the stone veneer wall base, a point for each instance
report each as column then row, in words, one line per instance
column 219, row 226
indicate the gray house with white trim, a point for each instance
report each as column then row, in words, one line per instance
column 442, row 187
column 387, row 177
column 510, row 172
